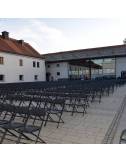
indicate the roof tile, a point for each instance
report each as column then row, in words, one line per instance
column 14, row 46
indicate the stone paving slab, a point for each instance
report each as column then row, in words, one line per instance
column 88, row 129
column 120, row 128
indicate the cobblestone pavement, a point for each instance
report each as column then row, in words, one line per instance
column 90, row 128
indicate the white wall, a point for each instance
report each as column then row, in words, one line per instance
column 12, row 70
column 120, row 66
column 53, row 69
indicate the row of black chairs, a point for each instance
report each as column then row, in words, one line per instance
column 26, row 107
column 25, row 115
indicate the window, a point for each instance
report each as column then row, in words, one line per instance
column 34, row 64
column 1, row 60
column 20, row 62
column 58, row 73
column 48, row 66
column 58, row 65
column 36, row 77
column 1, row 77
column 108, row 71
column 21, row 77
column 38, row 64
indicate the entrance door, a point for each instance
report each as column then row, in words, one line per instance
column 48, row 76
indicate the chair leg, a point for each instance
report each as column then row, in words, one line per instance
column 38, row 138
column 3, row 137
column 46, row 119
column 59, row 120
column 73, row 111
column 19, row 138
column 84, row 110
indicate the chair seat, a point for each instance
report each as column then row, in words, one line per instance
column 29, row 129
column 51, row 111
column 3, row 122
column 12, row 125
column 37, row 112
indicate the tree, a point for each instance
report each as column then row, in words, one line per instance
column 124, row 41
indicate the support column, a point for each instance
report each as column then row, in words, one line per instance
column 90, row 69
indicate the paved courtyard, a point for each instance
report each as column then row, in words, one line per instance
column 90, row 128
column 120, row 127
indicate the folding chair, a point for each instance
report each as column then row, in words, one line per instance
column 12, row 110
column 54, row 111
column 28, row 116
column 33, row 126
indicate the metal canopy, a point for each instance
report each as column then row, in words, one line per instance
column 85, row 63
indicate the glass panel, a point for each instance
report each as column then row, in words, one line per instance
column 108, row 66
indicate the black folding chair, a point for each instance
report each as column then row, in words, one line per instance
column 23, row 121
column 54, row 111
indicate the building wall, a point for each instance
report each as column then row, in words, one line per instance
column 120, row 66
column 52, row 68
column 12, row 70
column 80, row 72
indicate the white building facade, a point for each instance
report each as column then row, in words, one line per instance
column 18, row 68
column 19, row 61
column 63, row 70
column 56, row 71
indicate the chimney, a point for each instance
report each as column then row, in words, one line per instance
column 5, row 34
column 21, row 42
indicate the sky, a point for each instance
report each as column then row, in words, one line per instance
column 48, row 35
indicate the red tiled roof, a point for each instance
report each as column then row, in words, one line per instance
column 14, row 46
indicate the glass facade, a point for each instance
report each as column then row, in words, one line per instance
column 107, row 69
column 78, row 72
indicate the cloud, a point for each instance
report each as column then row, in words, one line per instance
column 41, row 36
column 46, row 38
column 49, row 38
